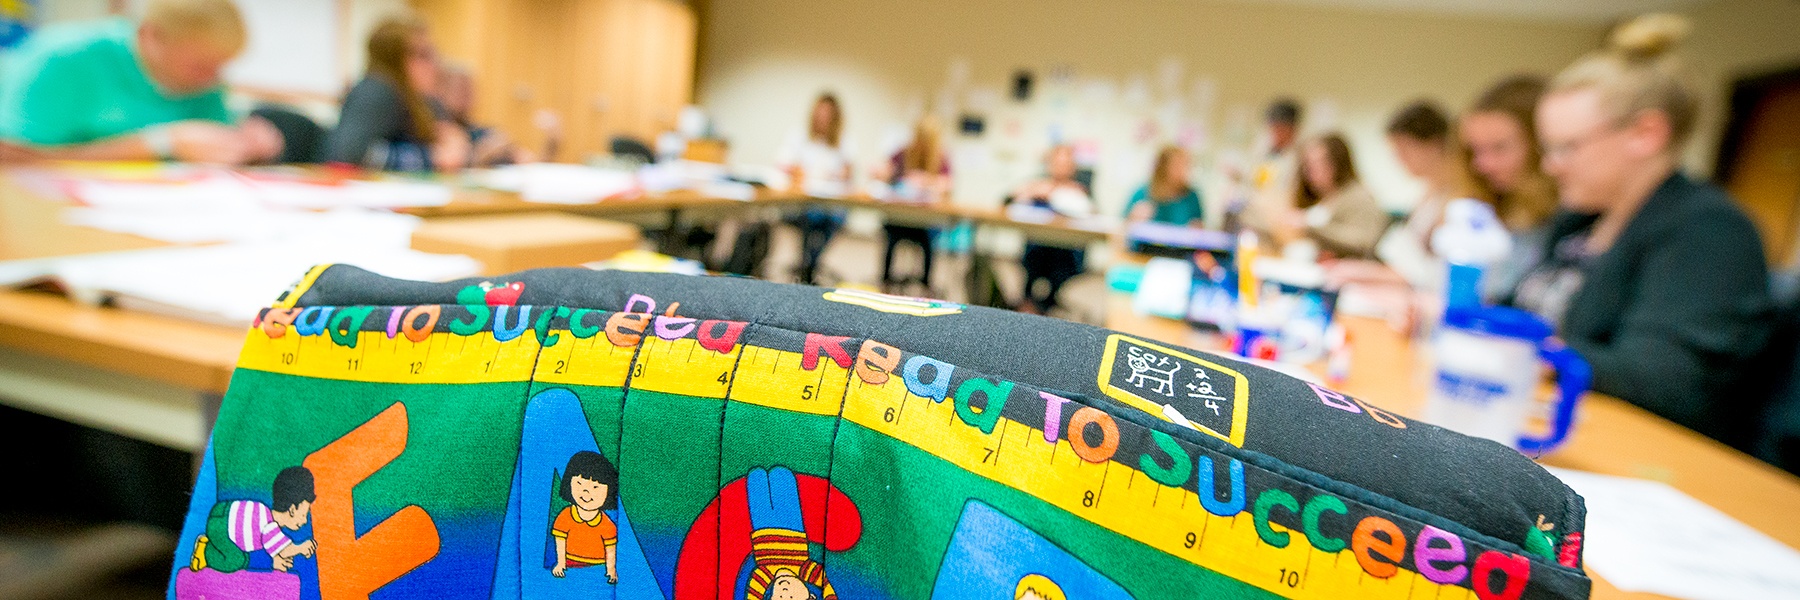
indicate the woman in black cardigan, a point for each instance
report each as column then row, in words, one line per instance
column 1659, row 281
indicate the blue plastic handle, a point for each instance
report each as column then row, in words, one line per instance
column 1572, row 379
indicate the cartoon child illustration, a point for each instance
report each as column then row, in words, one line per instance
column 585, row 535
column 236, row 528
column 784, row 568
column 1038, row 587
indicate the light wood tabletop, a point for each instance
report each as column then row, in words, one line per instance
column 177, row 351
column 1610, row 436
column 201, row 356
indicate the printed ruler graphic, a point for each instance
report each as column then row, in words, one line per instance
column 1108, row 494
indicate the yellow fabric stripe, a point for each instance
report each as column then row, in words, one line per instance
column 306, row 282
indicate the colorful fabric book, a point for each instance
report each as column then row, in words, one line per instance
column 567, row 433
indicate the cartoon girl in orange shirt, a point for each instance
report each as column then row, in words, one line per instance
column 585, row 535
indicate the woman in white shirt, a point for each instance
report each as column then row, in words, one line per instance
column 818, row 166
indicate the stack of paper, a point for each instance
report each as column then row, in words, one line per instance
column 228, row 190
column 228, row 207
column 554, row 183
column 1644, row 536
column 229, row 283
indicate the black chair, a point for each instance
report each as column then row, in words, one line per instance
column 631, row 148
column 303, row 140
column 1777, row 371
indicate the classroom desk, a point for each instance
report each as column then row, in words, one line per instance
column 158, row 378
column 146, row 376
column 1610, row 436
column 1059, row 231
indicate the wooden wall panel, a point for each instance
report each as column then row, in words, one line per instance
column 605, row 67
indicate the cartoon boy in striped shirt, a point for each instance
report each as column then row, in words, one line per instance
column 784, row 567
column 235, row 529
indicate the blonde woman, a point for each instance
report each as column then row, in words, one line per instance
column 922, row 170
column 1662, row 285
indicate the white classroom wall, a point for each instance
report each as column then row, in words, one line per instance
column 1180, row 69
column 1189, row 69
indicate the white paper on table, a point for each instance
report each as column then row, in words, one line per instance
column 554, row 183
column 203, row 195
column 226, row 192
column 350, row 194
column 1645, row 536
column 251, row 224
column 229, row 283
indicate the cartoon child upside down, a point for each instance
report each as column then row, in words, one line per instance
column 585, row 535
column 784, row 569
column 236, row 528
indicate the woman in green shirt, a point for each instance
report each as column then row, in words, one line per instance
column 1168, row 198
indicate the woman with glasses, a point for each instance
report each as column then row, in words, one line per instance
column 1658, row 280
column 389, row 121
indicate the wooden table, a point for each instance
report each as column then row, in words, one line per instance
column 154, row 377
column 141, row 375
column 1610, row 436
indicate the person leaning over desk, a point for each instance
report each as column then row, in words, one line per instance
column 389, row 120
column 1656, row 279
column 117, row 90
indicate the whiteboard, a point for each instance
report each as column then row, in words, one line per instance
column 293, row 47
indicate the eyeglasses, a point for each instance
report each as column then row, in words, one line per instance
column 1556, row 151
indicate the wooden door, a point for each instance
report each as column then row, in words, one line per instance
column 1764, row 173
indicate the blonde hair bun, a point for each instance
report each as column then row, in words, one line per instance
column 1650, row 36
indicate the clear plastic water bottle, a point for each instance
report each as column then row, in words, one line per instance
column 1470, row 240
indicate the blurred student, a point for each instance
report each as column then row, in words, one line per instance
column 117, row 90
column 920, row 170
column 1265, row 194
column 488, row 146
column 818, row 166
column 1662, row 285
column 1337, row 213
column 1419, row 135
column 1504, row 161
column 389, row 121
column 1169, row 197
column 1060, row 192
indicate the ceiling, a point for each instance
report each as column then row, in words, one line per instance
column 1573, row 11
